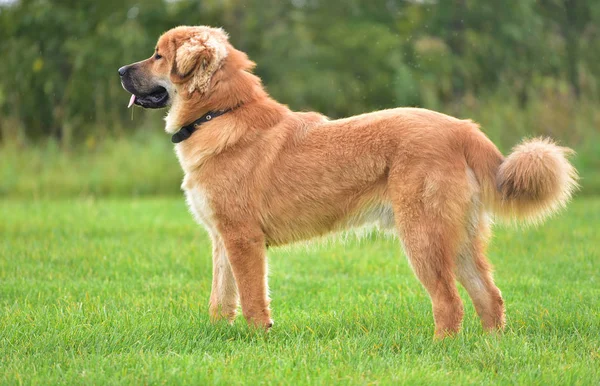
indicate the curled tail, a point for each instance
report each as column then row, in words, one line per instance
column 530, row 184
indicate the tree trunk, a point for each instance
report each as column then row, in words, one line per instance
column 572, row 43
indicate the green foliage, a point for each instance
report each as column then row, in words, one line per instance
column 524, row 69
column 58, row 75
column 116, row 292
column 144, row 163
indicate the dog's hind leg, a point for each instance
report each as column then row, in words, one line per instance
column 475, row 274
column 430, row 206
column 428, row 243
column 224, row 298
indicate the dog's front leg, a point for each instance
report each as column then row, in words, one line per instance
column 224, row 296
column 246, row 252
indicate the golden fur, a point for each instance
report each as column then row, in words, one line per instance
column 262, row 175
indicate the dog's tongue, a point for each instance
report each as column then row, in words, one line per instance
column 131, row 101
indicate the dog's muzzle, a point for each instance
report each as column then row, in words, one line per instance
column 144, row 95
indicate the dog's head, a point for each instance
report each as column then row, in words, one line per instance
column 184, row 62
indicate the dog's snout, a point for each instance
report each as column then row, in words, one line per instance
column 123, row 70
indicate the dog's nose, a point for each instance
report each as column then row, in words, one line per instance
column 123, row 70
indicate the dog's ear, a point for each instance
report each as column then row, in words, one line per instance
column 197, row 58
column 188, row 57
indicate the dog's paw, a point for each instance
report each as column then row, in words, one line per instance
column 218, row 313
column 261, row 320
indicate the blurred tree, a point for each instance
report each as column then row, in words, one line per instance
column 58, row 74
column 572, row 19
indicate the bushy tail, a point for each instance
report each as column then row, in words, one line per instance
column 530, row 184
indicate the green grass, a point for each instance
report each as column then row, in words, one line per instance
column 139, row 165
column 116, row 291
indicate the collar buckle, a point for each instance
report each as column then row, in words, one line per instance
column 186, row 131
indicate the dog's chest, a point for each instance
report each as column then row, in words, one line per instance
column 197, row 196
column 199, row 202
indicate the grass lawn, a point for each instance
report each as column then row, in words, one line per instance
column 116, row 291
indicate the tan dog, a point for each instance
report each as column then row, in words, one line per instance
column 259, row 175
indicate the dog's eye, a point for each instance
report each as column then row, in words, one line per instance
column 157, row 56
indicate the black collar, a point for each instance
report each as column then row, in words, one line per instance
column 186, row 131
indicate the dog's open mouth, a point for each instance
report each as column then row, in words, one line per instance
column 154, row 100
